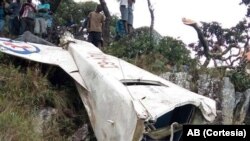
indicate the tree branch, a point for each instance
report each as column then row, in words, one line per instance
column 203, row 41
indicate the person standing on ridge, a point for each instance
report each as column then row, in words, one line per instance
column 95, row 24
column 42, row 15
column 13, row 11
column 130, row 15
column 124, row 13
column 27, row 16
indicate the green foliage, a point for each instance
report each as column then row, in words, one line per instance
column 14, row 125
column 174, row 50
column 113, row 21
column 131, row 47
column 240, row 80
column 155, row 54
column 1, row 55
column 78, row 11
column 23, row 95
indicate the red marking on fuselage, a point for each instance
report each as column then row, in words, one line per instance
column 103, row 61
column 15, row 46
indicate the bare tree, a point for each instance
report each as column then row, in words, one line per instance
column 106, row 29
column 151, row 10
column 221, row 42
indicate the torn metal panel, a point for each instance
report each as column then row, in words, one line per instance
column 42, row 53
column 135, row 91
column 123, row 101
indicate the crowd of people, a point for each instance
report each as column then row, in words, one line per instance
column 37, row 19
column 25, row 17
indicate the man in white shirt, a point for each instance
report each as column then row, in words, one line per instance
column 124, row 13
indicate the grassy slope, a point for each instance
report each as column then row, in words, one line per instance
column 23, row 93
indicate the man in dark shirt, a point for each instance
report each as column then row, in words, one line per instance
column 14, row 24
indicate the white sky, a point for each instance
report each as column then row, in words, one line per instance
column 168, row 15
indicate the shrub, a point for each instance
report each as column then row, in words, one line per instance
column 154, row 53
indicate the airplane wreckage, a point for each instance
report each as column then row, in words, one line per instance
column 123, row 101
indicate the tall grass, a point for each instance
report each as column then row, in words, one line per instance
column 23, row 94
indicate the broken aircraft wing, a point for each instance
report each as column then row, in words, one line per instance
column 123, row 101
column 42, row 53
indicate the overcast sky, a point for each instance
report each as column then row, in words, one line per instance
column 168, row 14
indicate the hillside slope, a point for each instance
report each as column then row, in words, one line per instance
column 35, row 107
